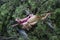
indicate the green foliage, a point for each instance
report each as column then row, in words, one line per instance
column 14, row 8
